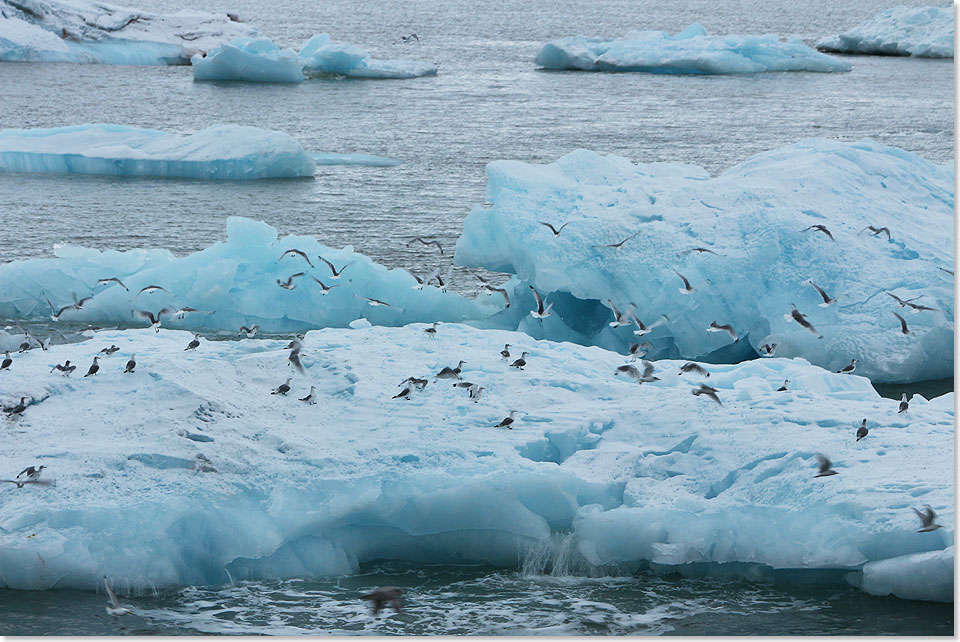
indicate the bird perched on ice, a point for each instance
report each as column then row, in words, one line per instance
column 114, row 607
column 507, row 422
column 283, row 388
column 926, row 518
column 827, row 299
column 193, row 345
column 520, row 363
column 66, row 369
column 820, row 228
column 476, row 391
column 310, row 398
column 847, row 369
column 94, row 367
column 32, row 472
column 17, row 409
column 26, row 343
column 826, row 467
column 7, row 360
column 505, row 353
column 541, row 312
column 432, row 330
column 131, row 364
column 716, row 327
column 801, row 319
column 904, row 404
column 704, row 389
column 862, row 430
column 783, row 388
column 385, row 595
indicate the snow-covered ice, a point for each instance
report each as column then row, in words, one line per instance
column 97, row 32
column 231, row 283
column 691, row 51
column 919, row 576
column 225, row 152
column 901, row 31
column 634, row 473
column 751, row 218
column 261, row 60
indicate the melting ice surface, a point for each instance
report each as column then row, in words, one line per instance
column 261, row 60
column 752, row 219
column 634, row 474
column 231, row 284
column 691, row 51
column 901, row 31
column 97, row 32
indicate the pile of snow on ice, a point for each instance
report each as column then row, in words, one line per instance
column 225, row 152
column 691, row 51
column 230, row 284
column 901, row 31
column 97, row 32
column 753, row 220
column 634, row 473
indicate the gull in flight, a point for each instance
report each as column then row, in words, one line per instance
column 644, row 329
column 333, row 271
column 502, row 291
column 113, row 279
column 298, row 253
column 877, row 231
column 827, row 299
column 716, row 327
column 250, row 332
column 114, row 608
column 423, row 242
column 826, row 467
column 377, row 302
column 690, row 366
column 556, row 231
column 541, row 312
column 152, row 288
column 704, row 389
column 289, row 284
column 801, row 319
column 687, row 288
column 153, row 319
column 903, row 325
column 76, row 305
column 385, row 595
column 767, row 349
column 324, row 288
column 698, row 250
column 820, row 228
column 926, row 518
column 617, row 246
column 621, row 318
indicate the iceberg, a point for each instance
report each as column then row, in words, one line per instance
column 82, row 31
column 746, row 242
column 920, row 576
column 691, row 51
column 261, row 60
column 219, row 152
column 206, row 478
column 902, row 31
column 229, row 284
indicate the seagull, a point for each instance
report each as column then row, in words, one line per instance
column 310, row 399
column 820, row 228
column 927, row 517
column 377, row 302
column 66, row 368
column 152, row 288
column 704, row 389
column 408, row 39
column 876, row 231
column 645, row 377
column 57, row 312
column 621, row 319
column 114, row 608
column 131, row 364
column 917, row 309
column 432, row 330
column 502, row 291
column 294, row 358
column 903, row 302
column 698, row 250
column 687, row 288
column 324, row 288
column 405, row 393
column 202, row 464
column 464, row 384
column 476, row 392
column 848, row 368
column 519, row 363
column 38, row 482
column 32, row 473
column 250, row 332
column 903, row 324
column 289, row 284
column 333, row 270
column 556, row 232
column 862, row 430
column 26, row 343
column 904, row 404
column 507, row 422
column 639, row 349
column 694, row 367
column 618, row 246
column 419, row 383
column 825, row 467
column 385, row 595
column 504, row 354
column 423, row 242
column 283, row 388
column 193, row 345
column 298, row 253
column 451, row 373
column 149, row 316
column 7, row 361
column 182, row 312
column 716, row 327
column 644, row 329
column 18, row 409
column 94, row 367
column 113, row 279
column 541, row 312
column 801, row 319
column 783, row 388
column 110, row 350
column 767, row 349
column 827, row 300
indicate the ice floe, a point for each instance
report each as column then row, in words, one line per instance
column 902, row 31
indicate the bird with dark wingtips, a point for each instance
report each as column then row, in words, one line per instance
column 862, row 430
column 131, row 364
column 826, row 467
column 520, row 363
column 556, row 231
column 283, row 388
column 18, row 409
column 876, row 231
column 926, row 518
column 707, row 391
column 385, row 595
column 696, row 368
column 847, row 369
column 783, row 388
column 507, row 422
column 820, row 228
column 193, row 345
column 94, row 367
column 904, row 404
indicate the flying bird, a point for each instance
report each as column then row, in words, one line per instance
column 294, row 358
column 289, row 284
column 696, row 368
column 298, row 253
column 820, row 228
column 716, row 327
column 113, row 279
column 877, row 231
column 687, row 288
column 502, row 291
column 903, row 324
column 926, row 518
column 108, row 351
column 617, row 246
column 152, row 288
column 768, row 349
column 704, row 389
column 324, row 288
column 827, row 299
column 541, row 312
column 424, row 242
column 32, row 472
column 250, row 332
column 451, row 373
column 377, row 302
column 621, row 318
column 826, row 468
column 153, row 319
column 385, row 595
column 333, row 271
column 556, row 232
column 114, row 608
column 698, row 250
column 644, row 329
column 801, row 319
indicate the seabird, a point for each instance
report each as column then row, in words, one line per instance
column 507, row 422
column 556, row 232
column 26, row 343
column 32, row 473
column 414, row 240
column 950, row 272
column 298, row 253
column 704, row 389
column 451, row 373
column 324, row 289
column 541, row 312
column 408, row 39
column 18, row 409
column 289, row 284
column 716, row 327
column 149, row 316
column 690, row 366
column 185, row 310
column 38, row 482
column 820, row 228
column 619, row 245
column 801, row 319
column 519, row 363
column 56, row 313
column 94, row 367
column 405, row 393
column 698, row 250
column 193, row 345
column 621, row 318
column 848, row 368
column 113, row 279
column 476, row 392
column 110, row 350
column 645, row 377
column 250, row 332
column 283, row 388
column 504, row 354
column 640, row 349
column 904, row 404
column 419, row 383
column 926, row 518
column 114, row 608
column 687, row 288
column 903, row 324
column 825, row 467
column 385, row 595
column 335, row 274
column 644, row 329
column 463, row 384
column 767, row 349
column 294, row 358
column 432, row 330
column 506, row 297
column 827, row 300
column 377, row 302
column 66, row 368
column 862, row 430
column 310, row 399
column 783, row 388
column 903, row 302
column 45, row 343
column 7, row 361
column 131, row 364
column 152, row 288
column 877, row 231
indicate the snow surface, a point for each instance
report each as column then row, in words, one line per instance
column 920, row 576
column 232, row 284
column 752, row 216
column 902, row 31
column 691, row 51
column 261, row 60
column 633, row 472
column 97, row 32
column 224, row 152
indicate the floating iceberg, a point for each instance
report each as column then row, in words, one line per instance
column 757, row 253
column 901, row 31
column 220, row 152
column 97, row 32
column 691, row 51
column 260, row 60
column 634, row 474
column 920, row 576
column 230, row 284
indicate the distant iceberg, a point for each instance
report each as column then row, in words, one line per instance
column 231, row 284
column 96, row 32
column 902, row 31
column 744, row 241
column 691, row 51
column 261, row 60
column 188, row 471
column 224, row 152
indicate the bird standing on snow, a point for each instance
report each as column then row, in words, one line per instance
column 310, row 398
column 432, row 330
column 451, row 373
column 862, row 430
column 521, row 362
column 131, row 364
column 848, row 368
column 18, row 409
column 94, row 367
column 507, row 422
column 283, row 388
column 904, row 404
column 505, row 353
column 193, row 345
column 7, row 361
column 783, row 388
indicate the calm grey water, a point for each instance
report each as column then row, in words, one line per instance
column 487, row 103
